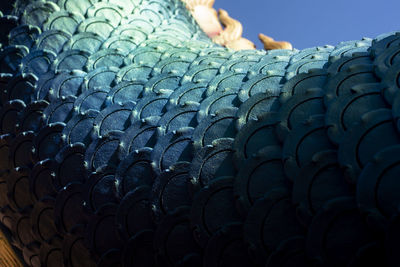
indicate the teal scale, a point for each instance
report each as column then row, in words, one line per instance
column 128, row 138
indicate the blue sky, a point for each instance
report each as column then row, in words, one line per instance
column 307, row 23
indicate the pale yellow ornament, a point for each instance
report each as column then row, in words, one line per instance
column 225, row 30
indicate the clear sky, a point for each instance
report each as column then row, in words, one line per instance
column 307, row 23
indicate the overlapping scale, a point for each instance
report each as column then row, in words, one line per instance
column 129, row 139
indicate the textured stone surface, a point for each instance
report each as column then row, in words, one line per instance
column 128, row 138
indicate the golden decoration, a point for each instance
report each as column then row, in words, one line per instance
column 205, row 15
column 230, row 34
column 8, row 258
column 270, row 43
column 191, row 4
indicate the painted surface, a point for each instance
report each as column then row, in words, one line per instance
column 8, row 258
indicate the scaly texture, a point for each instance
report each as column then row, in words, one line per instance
column 129, row 139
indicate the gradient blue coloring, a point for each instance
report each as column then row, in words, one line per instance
column 309, row 23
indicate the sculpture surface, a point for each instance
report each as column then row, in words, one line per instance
column 231, row 36
column 129, row 138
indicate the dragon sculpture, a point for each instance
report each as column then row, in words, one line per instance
column 132, row 133
column 229, row 34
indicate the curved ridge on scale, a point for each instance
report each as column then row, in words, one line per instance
column 128, row 138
